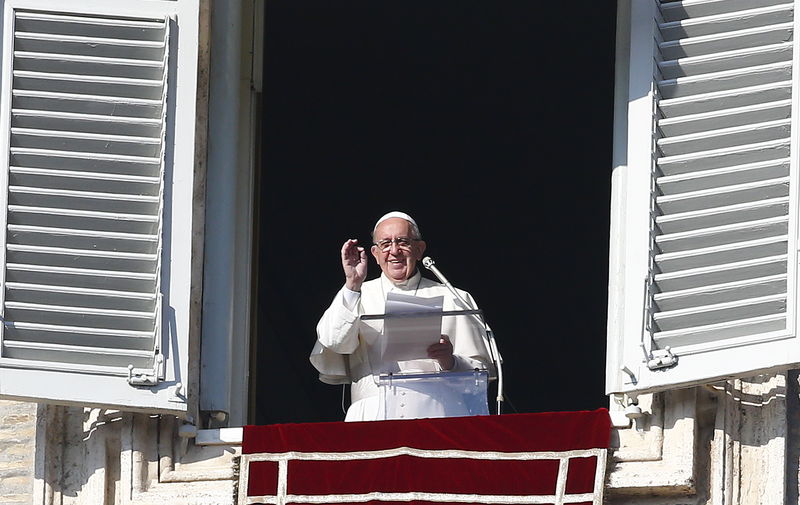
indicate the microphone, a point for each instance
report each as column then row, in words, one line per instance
column 494, row 352
column 428, row 263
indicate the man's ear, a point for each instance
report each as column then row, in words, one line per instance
column 375, row 253
column 421, row 245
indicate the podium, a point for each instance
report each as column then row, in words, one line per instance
column 407, row 391
column 438, row 394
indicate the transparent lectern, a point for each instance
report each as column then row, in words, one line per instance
column 407, row 391
column 437, row 394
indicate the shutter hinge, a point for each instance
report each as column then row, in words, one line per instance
column 661, row 358
column 145, row 377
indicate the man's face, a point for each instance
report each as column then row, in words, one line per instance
column 397, row 263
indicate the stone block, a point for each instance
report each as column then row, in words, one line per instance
column 17, row 452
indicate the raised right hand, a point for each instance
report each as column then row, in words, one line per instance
column 354, row 264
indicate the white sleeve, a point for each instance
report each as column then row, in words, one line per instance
column 350, row 298
column 470, row 349
column 337, row 330
column 464, row 364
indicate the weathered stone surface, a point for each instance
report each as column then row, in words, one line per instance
column 17, row 438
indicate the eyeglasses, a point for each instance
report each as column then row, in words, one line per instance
column 403, row 243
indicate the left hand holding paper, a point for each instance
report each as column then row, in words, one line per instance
column 443, row 353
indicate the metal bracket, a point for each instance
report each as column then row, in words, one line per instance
column 662, row 358
column 630, row 412
column 144, row 377
column 177, row 395
column 630, row 374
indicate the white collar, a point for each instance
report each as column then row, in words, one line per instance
column 410, row 284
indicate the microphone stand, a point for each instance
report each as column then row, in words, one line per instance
column 428, row 263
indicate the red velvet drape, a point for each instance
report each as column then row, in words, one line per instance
column 339, row 459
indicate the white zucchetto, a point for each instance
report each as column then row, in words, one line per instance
column 395, row 213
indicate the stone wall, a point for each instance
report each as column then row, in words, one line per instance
column 17, row 440
column 731, row 443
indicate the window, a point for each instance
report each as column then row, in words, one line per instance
column 704, row 206
column 97, row 181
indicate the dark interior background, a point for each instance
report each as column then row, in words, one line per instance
column 488, row 121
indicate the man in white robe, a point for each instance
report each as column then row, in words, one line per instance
column 341, row 353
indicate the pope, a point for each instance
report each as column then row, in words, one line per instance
column 341, row 353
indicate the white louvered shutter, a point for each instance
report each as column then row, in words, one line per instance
column 91, row 248
column 710, row 256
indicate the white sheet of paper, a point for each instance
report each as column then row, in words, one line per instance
column 408, row 338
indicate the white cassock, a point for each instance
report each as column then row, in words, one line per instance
column 340, row 353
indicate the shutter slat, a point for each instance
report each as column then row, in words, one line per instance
column 62, row 38
column 35, row 81
column 84, row 175
column 723, row 138
column 83, row 233
column 73, row 348
column 86, row 117
column 111, row 332
column 76, row 355
column 727, row 156
column 89, row 103
column 725, row 60
column 103, row 182
column 738, row 97
column 129, row 127
column 726, row 195
column 721, row 253
column 726, row 80
column 725, row 234
column 79, row 291
column 101, row 23
column 720, row 216
column 77, row 241
column 108, row 49
column 102, row 62
column 703, row 211
column 714, row 333
column 53, row 153
column 721, row 293
column 139, row 282
column 81, row 252
column 704, row 315
column 82, row 213
column 726, row 21
column 724, row 176
column 82, row 65
column 108, row 205
column 52, row 269
column 81, row 311
column 102, row 299
column 718, row 274
column 720, row 119
column 727, row 41
column 89, row 79
column 672, row 11
column 45, row 140
column 95, row 195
